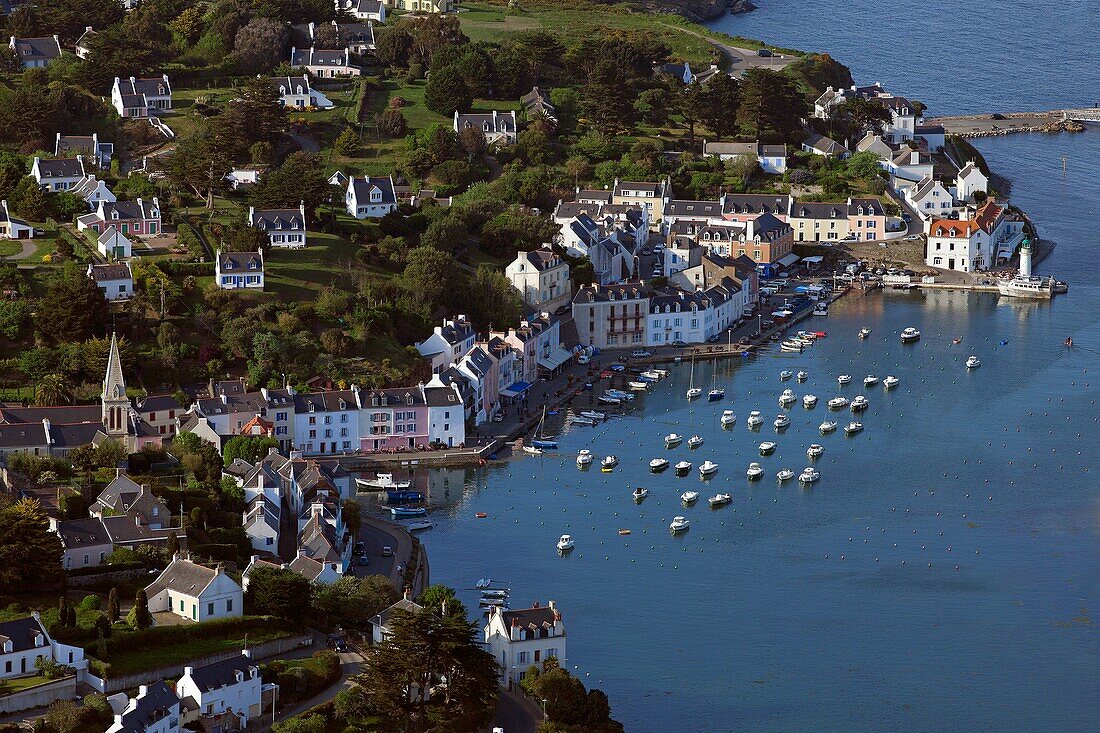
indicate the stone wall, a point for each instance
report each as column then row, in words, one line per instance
column 62, row 689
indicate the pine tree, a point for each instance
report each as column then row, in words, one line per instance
column 112, row 603
column 171, row 548
column 139, row 617
column 347, row 144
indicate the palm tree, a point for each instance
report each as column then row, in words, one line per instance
column 53, row 390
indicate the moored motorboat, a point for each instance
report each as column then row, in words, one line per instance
column 719, row 500
column 821, row 309
column 673, row 439
column 791, row 346
column 689, row 497
column 638, row 386
column 754, row 472
column 608, row 463
column 973, row 362
column 651, row 374
column 716, row 395
column 408, row 511
column 859, row 404
column 584, row 457
column 909, row 335
column 532, row 450
column 606, row 399
column 767, row 448
column 803, row 376
column 593, row 415
column 815, row 450
column 781, row 422
column 418, row 525
column 728, row 418
column 809, row 475
column 809, row 400
column 890, row 382
column 853, row 427
column 401, row 496
column 864, row 333
column 694, row 393
column 844, row 379
column 870, row 380
column 785, row 474
column 683, row 467
column 565, row 544
column 787, row 397
column 380, row 482
column 658, row 464
column 709, row 468
column 640, row 493
column 694, row 442
column 827, row 427
column 581, row 420
column 785, row 375
column 679, row 524
column 838, row 403
column 755, row 419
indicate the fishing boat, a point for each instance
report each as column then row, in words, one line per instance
column 543, row 441
column 809, row 400
column 532, row 450
column 781, row 422
column 785, row 375
column 418, row 525
column 651, row 375
column 689, row 497
column 609, row 463
column 844, row 379
column 658, row 464
column 683, row 467
column 785, row 474
column 802, row 376
column 809, row 475
column 640, row 493
column 408, row 511
column 581, row 420
column 838, row 403
column 606, row 399
column 399, row 496
column 381, row 482
column 767, row 448
column 754, row 472
column 584, row 457
column 673, row 439
column 864, row 333
column 498, row 593
column 620, row 394
column 973, row 362
column 481, row 515
column 755, row 419
column 791, row 346
column 910, row 335
column 708, row 468
column 638, row 386
column 693, row 391
column 787, row 397
column 593, row 415
column 694, row 442
column 890, row 382
column 679, row 524
column 719, row 500
column 661, row 373
column 853, row 427
column 860, row 403
column 565, row 544
column 624, row 532
column 716, row 394
column 821, row 309
column 491, row 602
column 870, row 380
column 827, row 427
column 815, row 450
column 728, row 418
column 483, row 583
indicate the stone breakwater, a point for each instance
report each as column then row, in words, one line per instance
column 1056, row 126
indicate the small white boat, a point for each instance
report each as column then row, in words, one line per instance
column 418, row 524
column 593, row 415
column 640, row 493
column 689, row 497
column 853, row 427
column 767, row 448
column 381, row 482
column 651, row 374
column 683, row 467
column 488, row 602
column 791, row 346
column 859, row 404
column 565, row 544
column 827, row 427
column 708, row 468
column 673, row 439
column 606, row 399
column 728, row 418
column 844, row 379
column 579, row 420
column 784, row 475
column 870, row 380
column 809, row 475
column 608, row 463
column 864, row 333
column 803, row 376
column 658, row 464
column 815, row 450
column 821, row 309
column 483, row 583
column 754, row 472
column 755, row 419
column 973, row 362
column 785, row 375
column 661, row 373
column 782, row 421
column 679, row 524
column 809, row 400
column 720, row 500
column 890, row 382
column 638, row 386
column 838, row 403
column 909, row 335
column 532, row 450
column 694, row 442
column 787, row 397
column 694, row 393
column 584, row 457
column 499, row 593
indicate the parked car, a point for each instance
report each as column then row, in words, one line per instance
column 763, row 52
column 713, row 339
column 679, row 343
column 640, row 354
column 584, row 359
column 618, row 368
column 363, row 560
column 913, row 238
column 906, row 218
column 499, row 417
column 563, row 310
column 360, row 547
column 387, row 551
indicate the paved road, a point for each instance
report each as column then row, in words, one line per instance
column 741, row 59
column 27, row 251
column 516, row 715
column 350, row 664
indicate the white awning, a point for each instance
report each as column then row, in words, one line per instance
column 787, row 260
column 557, row 357
column 815, row 260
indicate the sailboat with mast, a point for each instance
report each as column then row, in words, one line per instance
column 693, row 391
column 541, row 441
column 716, row 394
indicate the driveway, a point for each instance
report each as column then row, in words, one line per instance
column 350, row 664
column 27, row 250
column 741, row 59
column 515, row 714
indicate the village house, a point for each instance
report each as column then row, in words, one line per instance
column 135, row 97
column 691, row 316
column 499, row 128
column 930, row 199
column 903, row 118
column 970, row 181
column 235, row 270
column 832, row 98
column 357, row 37
column 195, row 592
column 57, row 174
column 155, row 709
column 224, row 696
column 934, row 136
column 874, row 142
column 719, row 270
column 12, row 227
column 445, row 414
column 93, row 190
column 34, row 53
column 295, row 93
column 365, row 9
column 480, row 369
column 824, row 146
column 706, row 211
column 380, row 624
column 523, row 638
column 129, row 217
column 537, row 105
column 285, row 228
column 24, row 640
column 972, row 245
column 324, row 63
column 771, row 158
column 244, row 176
column 542, row 279
column 231, row 406
column 395, row 418
column 160, row 411
column 84, row 43
column 422, row 6
column 327, row 422
column 866, row 219
column 448, row 342
column 114, row 280
column 85, row 542
column 908, row 167
column 681, row 71
column 641, row 194
column 768, row 241
column 612, row 316
column 370, row 197
column 89, row 146
column 819, row 222
column 744, row 207
column 505, row 358
column 133, row 516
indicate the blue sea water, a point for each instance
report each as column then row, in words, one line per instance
column 943, row 574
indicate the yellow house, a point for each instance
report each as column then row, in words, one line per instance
column 421, row 6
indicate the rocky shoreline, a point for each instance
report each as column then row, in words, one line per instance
column 1050, row 127
column 699, row 11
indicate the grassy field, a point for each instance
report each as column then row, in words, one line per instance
column 162, row 655
column 19, row 684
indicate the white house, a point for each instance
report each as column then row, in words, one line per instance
column 324, row 63
column 327, row 422
column 934, row 135
column 233, row 270
column 24, row 640
column 195, row 592
column 295, row 93
column 84, row 43
column 448, row 342
column 691, row 316
column 824, row 146
column 771, row 158
column 498, row 127
column 156, row 709
column 58, row 174
column 909, row 167
column 969, row 181
column 524, row 638
column 232, row 687
column 370, row 197
column 34, row 53
column 285, row 228
column 11, row 227
column 930, row 199
column 114, row 245
column 93, row 190
column 970, row 245
column 446, row 416
column 135, row 97
column 542, row 279
column 903, row 118
column 380, row 624
column 243, row 176
column 115, row 280
column 95, row 152
column 364, row 9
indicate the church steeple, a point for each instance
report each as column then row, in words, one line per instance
column 116, row 406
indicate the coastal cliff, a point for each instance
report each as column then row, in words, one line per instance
column 696, row 11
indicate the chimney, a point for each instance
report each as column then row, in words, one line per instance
column 188, row 671
column 408, row 593
column 118, row 719
column 143, row 690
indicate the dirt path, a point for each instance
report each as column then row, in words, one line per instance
column 741, row 59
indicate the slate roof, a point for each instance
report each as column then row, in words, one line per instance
column 77, row 533
column 356, row 33
column 156, row 403
column 149, row 708
column 362, row 188
column 693, row 208
column 612, row 293
column 61, row 167
column 114, row 271
column 127, row 210
column 645, row 186
column 755, row 203
column 37, row 49
column 440, row 397
column 71, row 436
column 215, row 675
column 319, row 57
column 819, row 210
column 405, row 604
column 240, row 261
column 871, row 207
column 329, row 401
column 594, row 194
column 120, row 493
column 278, row 219
column 13, row 415
column 182, row 576
column 307, row 567
column 544, row 259
column 538, row 620
column 19, row 436
column 291, row 84
column 21, row 632
column 768, row 227
column 152, row 87
column 825, row 145
column 731, row 148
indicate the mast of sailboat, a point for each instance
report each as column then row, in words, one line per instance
column 691, row 379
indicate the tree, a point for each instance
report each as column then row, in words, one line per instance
column 31, row 200
column 607, row 100
column 863, row 165
column 430, row 274
column 473, row 142
column 392, row 123
column 251, row 448
column 690, row 102
column 653, row 105
column 62, row 716
column 278, row 592
column 260, row 45
column 818, row 71
column 30, row 555
column 771, row 107
column 578, row 167
column 139, row 617
column 352, row 602
column 393, row 45
column 446, row 234
column 491, row 299
column 353, row 516
column 347, row 143
column 447, row 92
column 10, row 63
column 301, row 724
column 112, row 605
column 172, row 546
column 255, row 115
column 720, row 99
column 441, row 599
column 53, row 390
column 201, row 161
column 301, row 178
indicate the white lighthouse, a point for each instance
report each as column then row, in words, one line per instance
column 1025, row 258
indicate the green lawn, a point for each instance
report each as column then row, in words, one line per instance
column 161, row 655
column 19, row 684
column 299, row 274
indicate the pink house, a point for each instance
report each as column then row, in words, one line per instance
column 526, row 343
column 393, row 419
column 866, row 219
column 139, row 217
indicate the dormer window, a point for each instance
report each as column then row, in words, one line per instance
column 343, row 405
column 312, row 407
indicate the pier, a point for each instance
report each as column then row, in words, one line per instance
column 991, row 125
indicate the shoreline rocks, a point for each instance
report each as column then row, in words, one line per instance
column 1049, row 127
